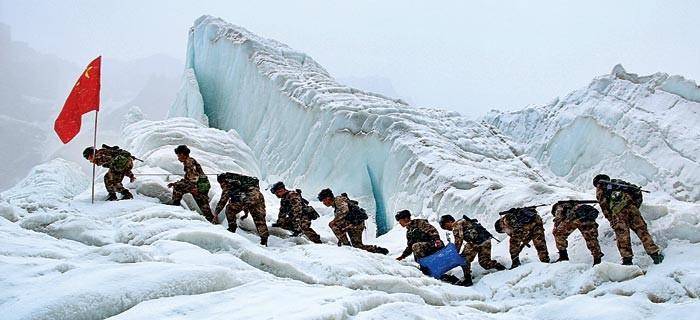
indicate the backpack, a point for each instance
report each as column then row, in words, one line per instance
column 615, row 193
column 521, row 217
column 122, row 160
column 356, row 214
column 306, row 209
column 240, row 183
column 479, row 233
column 203, row 185
column 586, row 213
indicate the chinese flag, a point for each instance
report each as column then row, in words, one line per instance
column 84, row 97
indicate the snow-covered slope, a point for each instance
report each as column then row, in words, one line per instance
column 309, row 130
column 641, row 128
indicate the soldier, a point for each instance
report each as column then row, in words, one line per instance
column 296, row 210
column 422, row 239
column 194, row 182
column 569, row 216
column 476, row 240
column 119, row 164
column 348, row 221
column 523, row 225
column 242, row 193
column 620, row 201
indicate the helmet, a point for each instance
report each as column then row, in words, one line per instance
column 182, row 149
column 498, row 226
column 325, row 193
column 88, row 151
column 403, row 214
column 598, row 178
column 445, row 219
column 277, row 186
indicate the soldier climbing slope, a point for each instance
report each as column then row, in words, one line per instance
column 523, row 225
column 296, row 212
column 476, row 240
column 620, row 202
column 569, row 216
column 242, row 193
column 119, row 164
column 349, row 220
column 194, row 182
column 422, row 239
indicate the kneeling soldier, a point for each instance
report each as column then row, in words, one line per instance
column 242, row 193
column 620, row 201
column 297, row 211
column 349, row 220
column 476, row 240
column 194, row 182
column 523, row 225
column 119, row 164
column 569, row 216
column 422, row 239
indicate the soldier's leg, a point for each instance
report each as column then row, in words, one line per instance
column 355, row 233
column 255, row 204
column 202, row 201
column 422, row 249
column 468, row 253
column 232, row 211
column 561, row 233
column 622, row 237
column 305, row 227
column 180, row 188
column 110, row 186
column 589, row 231
column 515, row 246
column 639, row 226
column 484, row 252
column 338, row 227
column 539, row 241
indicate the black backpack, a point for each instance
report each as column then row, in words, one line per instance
column 479, row 234
column 521, row 217
column 356, row 214
column 240, row 183
column 633, row 190
column 586, row 213
column 307, row 210
column 122, row 160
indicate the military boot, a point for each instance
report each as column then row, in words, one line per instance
column 126, row 195
column 263, row 241
column 111, row 197
column 383, row 251
column 596, row 260
column 515, row 263
column 657, row 257
column 499, row 267
column 626, row 261
column 232, row 228
column 563, row 256
column 467, row 282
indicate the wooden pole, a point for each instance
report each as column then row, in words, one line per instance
column 94, row 152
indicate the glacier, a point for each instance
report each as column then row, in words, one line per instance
column 255, row 106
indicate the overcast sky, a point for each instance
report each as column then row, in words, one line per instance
column 468, row 56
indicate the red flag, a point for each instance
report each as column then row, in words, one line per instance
column 84, row 97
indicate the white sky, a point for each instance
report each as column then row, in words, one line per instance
column 468, row 56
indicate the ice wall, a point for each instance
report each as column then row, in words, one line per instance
column 641, row 128
column 311, row 131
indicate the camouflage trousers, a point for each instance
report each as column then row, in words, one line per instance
column 343, row 228
column 521, row 237
column 252, row 203
column 113, row 182
column 630, row 218
column 303, row 225
column 183, row 187
column 483, row 250
column 589, row 231
column 423, row 249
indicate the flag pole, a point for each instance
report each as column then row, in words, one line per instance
column 94, row 153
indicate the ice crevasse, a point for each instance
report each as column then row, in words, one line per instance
column 312, row 132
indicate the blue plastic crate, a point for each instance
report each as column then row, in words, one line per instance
column 442, row 261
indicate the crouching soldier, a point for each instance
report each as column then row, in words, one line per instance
column 569, row 216
column 296, row 210
column 194, row 182
column 119, row 164
column 523, row 225
column 476, row 240
column 620, row 202
column 349, row 221
column 422, row 239
column 242, row 193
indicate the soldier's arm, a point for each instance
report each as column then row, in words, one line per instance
column 430, row 230
column 296, row 205
column 602, row 201
column 222, row 201
column 191, row 170
column 458, row 233
column 341, row 208
column 406, row 252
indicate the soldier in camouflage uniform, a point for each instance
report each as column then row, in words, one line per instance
column 342, row 227
column 119, row 164
column 622, row 210
column 476, row 240
column 191, row 183
column 570, row 216
column 242, row 193
column 422, row 239
column 292, row 207
column 523, row 225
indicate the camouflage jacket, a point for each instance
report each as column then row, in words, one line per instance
column 291, row 205
column 192, row 171
column 225, row 197
column 603, row 202
column 466, row 230
column 341, row 206
column 104, row 157
column 419, row 230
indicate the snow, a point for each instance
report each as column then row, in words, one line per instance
column 277, row 114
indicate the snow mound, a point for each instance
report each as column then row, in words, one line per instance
column 313, row 132
column 639, row 128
